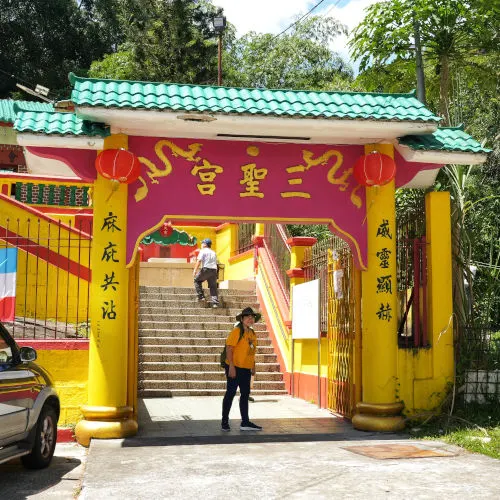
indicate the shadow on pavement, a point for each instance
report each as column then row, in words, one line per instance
column 19, row 483
column 255, row 437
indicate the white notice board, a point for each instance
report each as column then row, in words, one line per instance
column 305, row 310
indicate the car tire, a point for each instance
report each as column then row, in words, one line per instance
column 45, row 440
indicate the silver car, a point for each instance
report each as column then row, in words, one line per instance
column 29, row 406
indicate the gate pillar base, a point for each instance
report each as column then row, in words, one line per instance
column 104, row 422
column 379, row 417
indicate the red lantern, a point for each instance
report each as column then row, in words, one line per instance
column 118, row 165
column 166, row 230
column 374, row 169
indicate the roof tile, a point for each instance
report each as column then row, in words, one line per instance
column 57, row 123
column 444, row 139
column 8, row 115
column 292, row 103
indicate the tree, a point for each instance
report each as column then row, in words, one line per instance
column 41, row 42
column 299, row 60
column 451, row 32
column 163, row 41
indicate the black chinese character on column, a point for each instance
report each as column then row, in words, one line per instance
column 384, row 284
column 384, row 312
column 109, row 253
column 384, row 256
column 383, row 230
column 108, row 310
column 108, row 281
column 109, row 223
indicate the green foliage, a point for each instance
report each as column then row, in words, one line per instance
column 298, row 60
column 41, row 42
column 475, row 428
column 452, row 32
column 163, row 41
column 319, row 231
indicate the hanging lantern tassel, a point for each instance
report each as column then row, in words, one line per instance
column 115, row 184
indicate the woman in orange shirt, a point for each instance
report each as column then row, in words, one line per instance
column 241, row 345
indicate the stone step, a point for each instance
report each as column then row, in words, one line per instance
column 202, row 341
column 224, row 292
column 193, row 349
column 158, row 321
column 160, row 332
column 194, row 309
column 204, row 385
column 179, row 302
column 165, row 393
column 164, row 315
column 203, row 366
column 200, row 376
column 197, row 358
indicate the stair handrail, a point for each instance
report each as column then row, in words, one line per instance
column 278, row 249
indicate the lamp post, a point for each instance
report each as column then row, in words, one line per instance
column 219, row 27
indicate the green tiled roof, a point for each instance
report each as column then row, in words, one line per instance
column 444, row 139
column 289, row 103
column 7, row 113
column 58, row 123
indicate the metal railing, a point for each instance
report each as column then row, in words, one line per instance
column 245, row 234
column 478, row 364
column 51, row 263
column 411, row 248
column 316, row 267
column 275, row 242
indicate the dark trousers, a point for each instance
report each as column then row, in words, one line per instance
column 210, row 276
column 242, row 380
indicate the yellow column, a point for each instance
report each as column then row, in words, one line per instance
column 298, row 246
column 259, row 229
column 107, row 414
column 379, row 409
column 439, row 285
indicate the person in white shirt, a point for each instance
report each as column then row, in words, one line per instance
column 205, row 269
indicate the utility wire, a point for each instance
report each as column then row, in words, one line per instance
column 15, row 77
column 298, row 20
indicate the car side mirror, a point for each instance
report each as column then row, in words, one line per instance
column 27, row 354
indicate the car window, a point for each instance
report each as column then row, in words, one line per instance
column 5, row 352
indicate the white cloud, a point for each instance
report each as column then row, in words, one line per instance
column 262, row 16
column 272, row 16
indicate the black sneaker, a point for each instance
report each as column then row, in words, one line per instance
column 215, row 306
column 224, row 427
column 201, row 299
column 250, row 426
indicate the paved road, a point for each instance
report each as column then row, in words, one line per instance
column 304, row 452
column 61, row 480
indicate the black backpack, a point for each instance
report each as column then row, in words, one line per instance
column 223, row 354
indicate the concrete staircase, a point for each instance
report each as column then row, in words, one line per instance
column 180, row 341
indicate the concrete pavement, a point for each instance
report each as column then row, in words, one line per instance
column 304, row 452
column 61, row 480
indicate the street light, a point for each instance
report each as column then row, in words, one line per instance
column 219, row 27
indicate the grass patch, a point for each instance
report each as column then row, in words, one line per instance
column 475, row 428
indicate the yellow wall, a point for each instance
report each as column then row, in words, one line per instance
column 276, row 322
column 226, row 240
column 69, row 372
column 424, row 375
column 240, row 267
column 38, row 283
column 200, row 232
column 306, row 357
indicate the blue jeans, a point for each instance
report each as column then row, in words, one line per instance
column 242, row 380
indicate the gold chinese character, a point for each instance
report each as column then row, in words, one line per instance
column 207, row 173
column 252, row 176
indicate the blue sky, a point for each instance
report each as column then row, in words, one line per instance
column 272, row 16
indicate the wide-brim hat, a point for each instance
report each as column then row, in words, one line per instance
column 248, row 311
